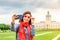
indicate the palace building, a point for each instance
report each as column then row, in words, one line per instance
column 48, row 24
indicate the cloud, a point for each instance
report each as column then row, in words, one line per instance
column 46, row 4
column 5, row 19
column 31, row 3
column 38, row 8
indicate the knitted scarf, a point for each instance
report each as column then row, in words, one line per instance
column 21, row 31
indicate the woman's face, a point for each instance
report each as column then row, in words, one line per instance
column 26, row 18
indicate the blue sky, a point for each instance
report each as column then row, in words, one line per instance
column 38, row 9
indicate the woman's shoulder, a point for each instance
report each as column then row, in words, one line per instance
column 32, row 26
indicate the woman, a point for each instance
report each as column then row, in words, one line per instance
column 25, row 30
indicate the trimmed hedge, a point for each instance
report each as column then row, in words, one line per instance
column 4, row 27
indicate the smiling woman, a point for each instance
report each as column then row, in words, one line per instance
column 25, row 30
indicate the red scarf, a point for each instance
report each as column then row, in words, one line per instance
column 21, row 32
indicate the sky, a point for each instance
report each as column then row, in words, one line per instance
column 38, row 8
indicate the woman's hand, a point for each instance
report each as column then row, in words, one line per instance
column 32, row 20
column 14, row 18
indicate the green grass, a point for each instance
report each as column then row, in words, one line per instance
column 7, row 36
column 47, row 36
column 59, row 38
column 11, row 35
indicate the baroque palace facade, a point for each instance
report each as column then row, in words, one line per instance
column 48, row 24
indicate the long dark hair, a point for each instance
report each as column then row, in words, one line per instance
column 27, row 12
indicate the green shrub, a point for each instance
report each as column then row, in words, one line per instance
column 4, row 27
